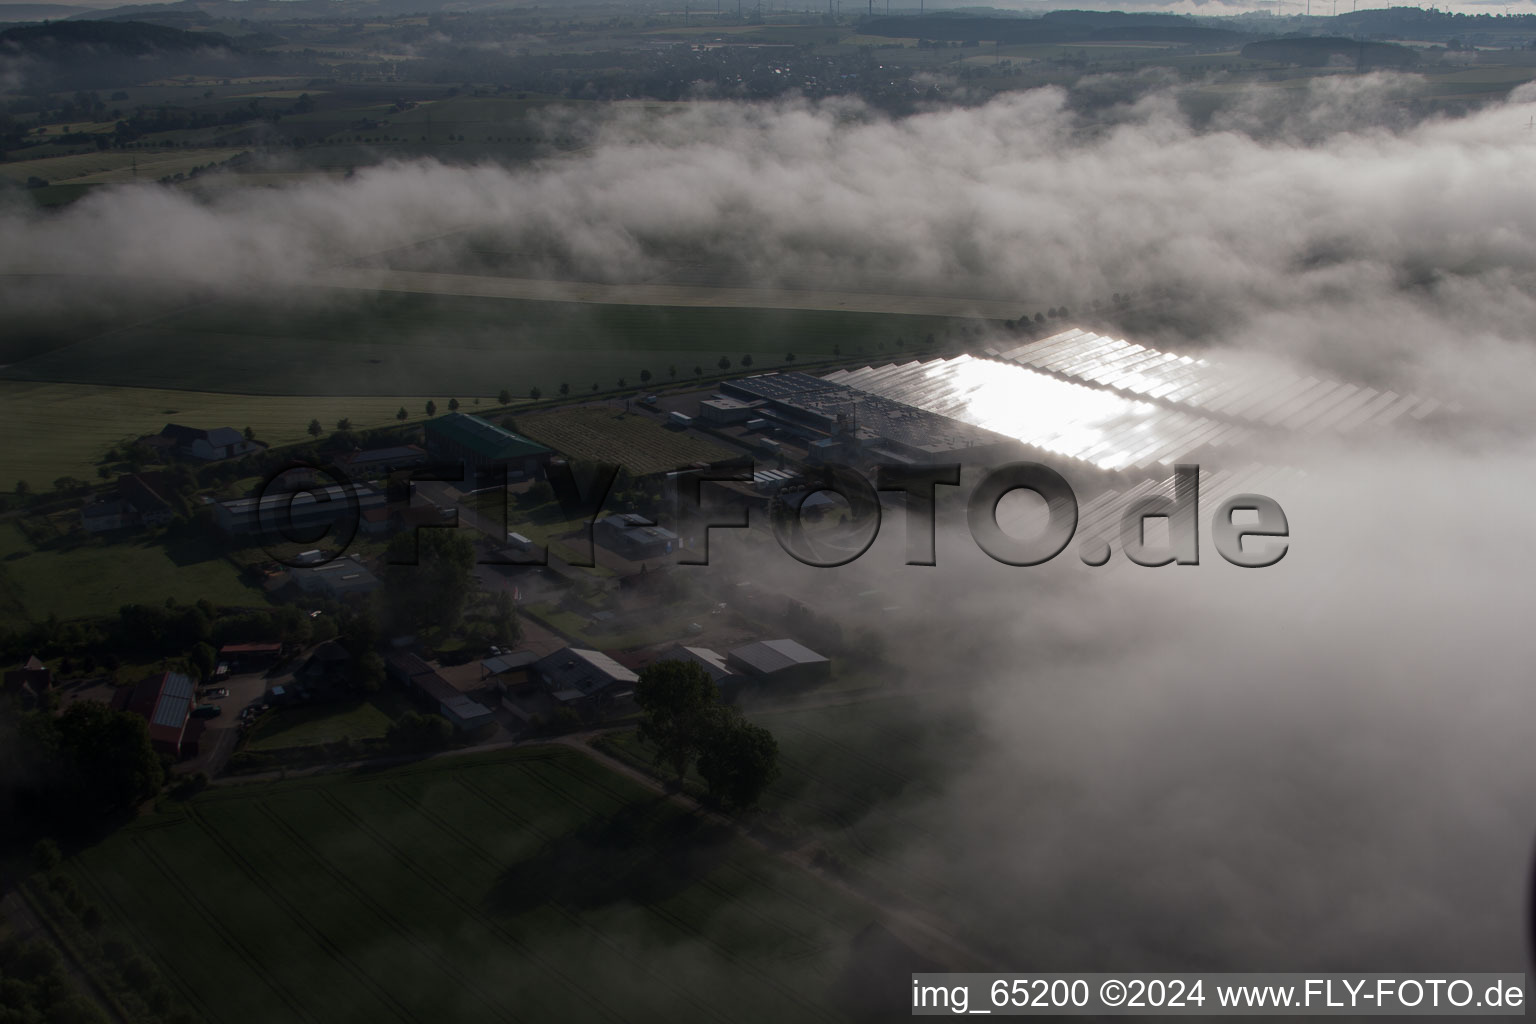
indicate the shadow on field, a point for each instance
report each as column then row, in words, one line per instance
column 633, row 856
column 190, row 550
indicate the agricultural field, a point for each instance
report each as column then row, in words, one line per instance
column 858, row 778
column 93, row 576
column 112, row 166
column 527, row 885
column 337, row 342
column 639, row 441
column 66, row 429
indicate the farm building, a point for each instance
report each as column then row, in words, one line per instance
column 778, row 661
column 575, row 676
column 343, row 577
column 248, row 657
column 722, row 410
column 165, row 702
column 428, row 687
column 515, row 663
column 288, row 512
column 712, row 662
column 207, row 445
column 633, row 536
column 485, row 447
column 105, row 515
column 359, row 464
column 140, row 501
column 31, row 674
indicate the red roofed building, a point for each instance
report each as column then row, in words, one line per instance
column 243, row 656
column 165, row 702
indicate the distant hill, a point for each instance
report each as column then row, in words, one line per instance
column 1320, row 51
column 1053, row 27
column 75, row 40
column 75, row 54
column 11, row 13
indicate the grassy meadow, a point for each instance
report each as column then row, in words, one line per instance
column 529, row 885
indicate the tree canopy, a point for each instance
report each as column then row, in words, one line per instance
column 676, row 699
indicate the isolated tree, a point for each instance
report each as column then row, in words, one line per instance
column 315, row 429
column 698, row 371
column 594, row 385
column 565, row 388
column 1039, row 318
column 1063, row 312
column 737, row 760
column 672, row 370
column 724, row 363
column 535, row 394
column 453, row 405
column 789, row 357
column 623, row 383
column 746, row 360
column 431, row 407
column 343, row 424
column 677, row 700
column 645, row 376
column 250, row 434
column 504, row 398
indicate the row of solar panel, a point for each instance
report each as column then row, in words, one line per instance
column 1270, row 397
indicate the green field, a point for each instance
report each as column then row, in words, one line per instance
column 95, row 576
column 524, row 886
column 339, row 342
column 65, row 429
column 286, row 728
column 638, row 441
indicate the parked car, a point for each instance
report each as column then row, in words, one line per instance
column 207, row 711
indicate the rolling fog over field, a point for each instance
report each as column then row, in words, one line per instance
column 1290, row 222
column 1324, row 764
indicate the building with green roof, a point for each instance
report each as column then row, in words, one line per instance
column 483, row 446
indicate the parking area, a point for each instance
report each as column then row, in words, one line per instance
column 244, row 690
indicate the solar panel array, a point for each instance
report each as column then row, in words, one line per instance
column 1264, row 396
column 175, row 701
column 1102, row 427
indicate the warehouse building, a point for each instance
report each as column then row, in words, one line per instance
column 437, row 693
column 485, row 448
column 292, row 513
column 633, row 536
column 860, row 426
column 781, row 662
column 343, row 577
column 574, row 677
